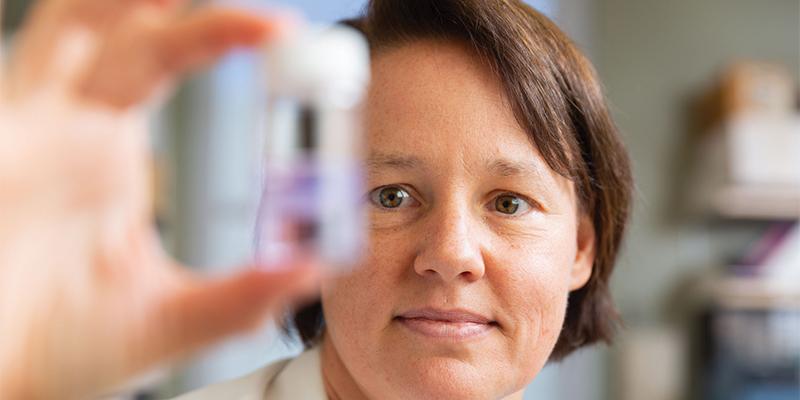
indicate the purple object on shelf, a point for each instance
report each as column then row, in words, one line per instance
column 759, row 252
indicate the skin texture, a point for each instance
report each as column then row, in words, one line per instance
column 439, row 127
column 82, row 271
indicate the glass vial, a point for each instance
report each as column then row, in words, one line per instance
column 311, row 203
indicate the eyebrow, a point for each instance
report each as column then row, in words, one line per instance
column 393, row 160
column 501, row 167
column 507, row 168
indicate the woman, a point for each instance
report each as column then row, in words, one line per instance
column 499, row 192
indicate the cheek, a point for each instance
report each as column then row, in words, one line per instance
column 532, row 283
column 360, row 304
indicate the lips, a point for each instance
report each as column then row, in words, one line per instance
column 454, row 324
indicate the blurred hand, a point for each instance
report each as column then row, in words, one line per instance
column 87, row 297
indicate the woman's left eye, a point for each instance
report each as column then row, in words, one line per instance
column 511, row 204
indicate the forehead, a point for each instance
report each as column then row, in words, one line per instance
column 437, row 100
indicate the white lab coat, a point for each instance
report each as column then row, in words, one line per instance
column 292, row 379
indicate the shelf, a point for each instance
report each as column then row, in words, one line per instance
column 758, row 202
column 755, row 293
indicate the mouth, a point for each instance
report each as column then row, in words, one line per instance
column 457, row 324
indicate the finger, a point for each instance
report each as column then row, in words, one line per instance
column 37, row 50
column 136, row 61
column 211, row 311
column 207, row 34
column 103, row 15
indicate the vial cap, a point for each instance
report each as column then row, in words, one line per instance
column 320, row 62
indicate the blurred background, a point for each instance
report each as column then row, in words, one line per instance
column 706, row 95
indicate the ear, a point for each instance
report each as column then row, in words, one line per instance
column 584, row 257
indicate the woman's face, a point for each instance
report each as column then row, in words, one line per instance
column 474, row 242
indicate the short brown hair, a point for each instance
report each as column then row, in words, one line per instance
column 557, row 99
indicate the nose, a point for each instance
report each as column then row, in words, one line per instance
column 450, row 250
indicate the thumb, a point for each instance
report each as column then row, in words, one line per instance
column 205, row 312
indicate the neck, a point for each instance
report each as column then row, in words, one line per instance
column 339, row 383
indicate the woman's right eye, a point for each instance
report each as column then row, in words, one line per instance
column 391, row 197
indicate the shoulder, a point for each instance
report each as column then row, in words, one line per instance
column 296, row 378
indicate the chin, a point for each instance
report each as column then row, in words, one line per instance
column 449, row 378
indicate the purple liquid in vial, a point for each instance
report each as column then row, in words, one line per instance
column 288, row 217
column 308, row 211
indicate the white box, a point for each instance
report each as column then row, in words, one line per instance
column 764, row 150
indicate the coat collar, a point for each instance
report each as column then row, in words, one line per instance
column 301, row 378
column 292, row 379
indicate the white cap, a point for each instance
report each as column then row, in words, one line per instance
column 320, row 62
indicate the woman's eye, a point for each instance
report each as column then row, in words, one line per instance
column 510, row 204
column 390, row 197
